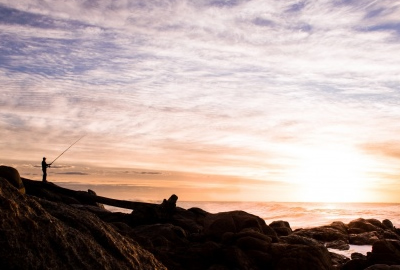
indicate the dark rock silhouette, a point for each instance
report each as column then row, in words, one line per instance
column 12, row 176
column 282, row 228
column 57, row 228
column 40, row 234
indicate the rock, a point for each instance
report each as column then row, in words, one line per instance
column 12, row 176
column 300, row 257
column 338, row 260
column 300, row 240
column 355, row 264
column 340, row 226
column 168, row 206
column 357, row 255
column 339, row 244
column 188, row 220
column 362, row 225
column 324, row 233
column 216, row 225
column 249, row 242
column 383, row 267
column 173, row 234
column 236, row 258
column 282, row 228
column 376, row 223
column 39, row 234
column 389, row 234
column 92, row 192
column 365, row 238
column 385, row 252
column 388, row 224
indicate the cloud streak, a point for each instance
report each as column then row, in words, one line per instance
column 230, row 87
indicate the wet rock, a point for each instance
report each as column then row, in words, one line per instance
column 339, row 244
column 365, row 238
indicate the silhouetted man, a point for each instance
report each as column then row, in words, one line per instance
column 44, row 169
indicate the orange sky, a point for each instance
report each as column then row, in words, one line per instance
column 227, row 100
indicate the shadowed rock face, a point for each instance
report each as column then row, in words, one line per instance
column 13, row 177
column 39, row 234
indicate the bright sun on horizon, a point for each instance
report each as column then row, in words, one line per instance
column 215, row 100
column 332, row 174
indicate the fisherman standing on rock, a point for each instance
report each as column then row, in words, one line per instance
column 44, row 169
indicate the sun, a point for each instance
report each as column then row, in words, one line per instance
column 331, row 174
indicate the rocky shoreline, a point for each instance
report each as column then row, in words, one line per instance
column 43, row 226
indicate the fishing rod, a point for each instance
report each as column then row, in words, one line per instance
column 68, row 148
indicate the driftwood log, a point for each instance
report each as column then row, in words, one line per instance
column 53, row 192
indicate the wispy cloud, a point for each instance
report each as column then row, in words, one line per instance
column 210, row 86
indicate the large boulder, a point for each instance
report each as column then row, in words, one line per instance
column 365, row 238
column 339, row 244
column 216, row 225
column 300, row 257
column 282, row 228
column 361, row 225
column 12, row 176
column 329, row 233
column 388, row 224
column 39, row 234
column 385, row 252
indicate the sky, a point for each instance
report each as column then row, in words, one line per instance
column 254, row 100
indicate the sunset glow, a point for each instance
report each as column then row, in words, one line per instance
column 332, row 174
column 212, row 100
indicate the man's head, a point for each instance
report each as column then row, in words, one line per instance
column 44, row 158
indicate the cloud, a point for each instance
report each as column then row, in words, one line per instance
column 72, row 173
column 216, row 86
column 389, row 149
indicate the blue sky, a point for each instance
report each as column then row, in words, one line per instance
column 263, row 90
